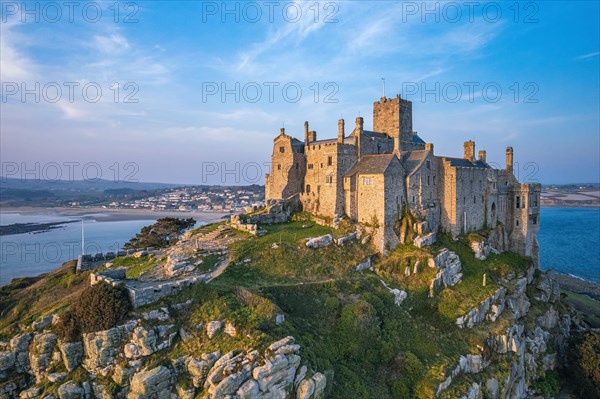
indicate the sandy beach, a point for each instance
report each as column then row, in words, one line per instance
column 108, row 215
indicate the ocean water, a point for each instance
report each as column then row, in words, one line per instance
column 569, row 240
column 31, row 254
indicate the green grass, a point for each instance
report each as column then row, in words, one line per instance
column 136, row 267
column 292, row 262
column 208, row 263
column 590, row 308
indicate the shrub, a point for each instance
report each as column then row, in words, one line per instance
column 68, row 327
column 99, row 307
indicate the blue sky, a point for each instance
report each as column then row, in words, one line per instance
column 173, row 53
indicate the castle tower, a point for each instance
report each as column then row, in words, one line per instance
column 509, row 160
column 469, row 150
column 394, row 117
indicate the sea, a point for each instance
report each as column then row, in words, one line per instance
column 569, row 240
column 31, row 254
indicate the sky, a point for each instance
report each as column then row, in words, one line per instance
column 194, row 92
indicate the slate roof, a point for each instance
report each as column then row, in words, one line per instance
column 371, row 165
column 417, row 140
column 465, row 163
column 411, row 160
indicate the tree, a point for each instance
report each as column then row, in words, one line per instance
column 584, row 361
column 163, row 233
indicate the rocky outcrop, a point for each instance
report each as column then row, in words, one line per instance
column 151, row 384
column 342, row 240
column 101, row 348
column 489, row 309
column 449, row 266
column 424, row 240
column 320, row 242
column 72, row 354
column 550, row 289
column 41, row 353
column 70, row 390
column 20, row 346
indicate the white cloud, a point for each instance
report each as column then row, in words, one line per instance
column 588, row 55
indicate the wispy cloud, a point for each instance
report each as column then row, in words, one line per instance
column 588, row 55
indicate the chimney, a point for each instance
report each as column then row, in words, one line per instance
column 305, row 132
column 509, row 159
column 341, row 132
column 429, row 147
column 469, row 150
column 312, row 136
column 359, row 123
column 482, row 155
column 282, row 131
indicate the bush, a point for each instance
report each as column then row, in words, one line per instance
column 99, row 307
column 584, row 364
column 68, row 327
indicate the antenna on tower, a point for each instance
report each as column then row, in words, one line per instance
column 82, row 239
column 383, row 87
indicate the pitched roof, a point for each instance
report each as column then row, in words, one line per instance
column 371, row 134
column 371, row 165
column 465, row 163
column 416, row 139
column 411, row 160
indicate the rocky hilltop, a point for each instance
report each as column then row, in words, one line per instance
column 301, row 311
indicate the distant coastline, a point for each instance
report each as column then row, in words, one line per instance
column 111, row 214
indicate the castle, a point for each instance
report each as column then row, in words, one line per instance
column 371, row 176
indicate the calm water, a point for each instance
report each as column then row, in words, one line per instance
column 31, row 254
column 570, row 242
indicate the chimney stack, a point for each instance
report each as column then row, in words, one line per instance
column 509, row 159
column 469, row 150
column 482, row 155
column 341, row 133
column 305, row 132
column 359, row 123
column 282, row 131
column 429, row 147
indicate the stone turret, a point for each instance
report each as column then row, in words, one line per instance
column 341, row 132
column 509, row 159
column 469, row 150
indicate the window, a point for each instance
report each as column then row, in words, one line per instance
column 482, row 200
column 310, row 166
column 518, row 202
column 321, row 165
column 297, row 166
column 278, row 166
column 428, row 164
column 434, row 180
column 413, row 198
column 517, row 222
column 464, row 200
column 534, row 201
column 474, row 199
column 428, row 180
column 367, row 181
column 308, row 189
column 328, row 179
column 282, row 149
column 329, row 161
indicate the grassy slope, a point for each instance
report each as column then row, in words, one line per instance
column 346, row 321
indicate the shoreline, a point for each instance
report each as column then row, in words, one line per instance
column 111, row 215
column 577, row 285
